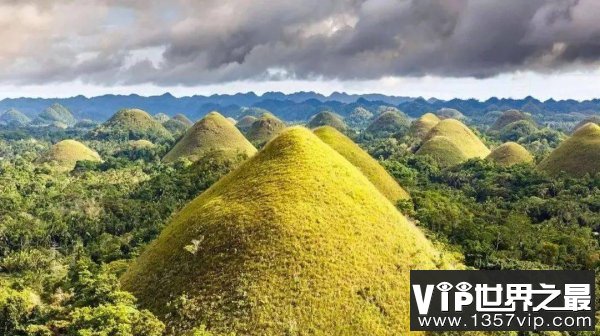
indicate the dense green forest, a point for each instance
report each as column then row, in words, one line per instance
column 66, row 236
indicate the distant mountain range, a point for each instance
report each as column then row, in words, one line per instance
column 295, row 106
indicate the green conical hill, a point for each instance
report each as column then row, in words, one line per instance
column 245, row 123
column 576, row 156
column 592, row 119
column 509, row 117
column 183, row 119
column 388, row 123
column 296, row 240
column 210, row 134
column 132, row 124
column 66, row 153
column 449, row 113
column 424, row 124
column 386, row 184
column 264, row 129
column 55, row 113
column 454, row 140
column 327, row 118
column 510, row 153
column 175, row 126
column 14, row 117
column 443, row 150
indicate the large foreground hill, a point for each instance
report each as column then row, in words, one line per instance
column 295, row 240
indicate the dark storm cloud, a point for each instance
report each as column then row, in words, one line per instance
column 197, row 42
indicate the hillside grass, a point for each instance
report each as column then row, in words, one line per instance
column 388, row 123
column 509, row 117
column 264, row 129
column 510, row 153
column 576, row 156
column 213, row 133
column 295, row 241
column 327, row 118
column 383, row 181
column 65, row 154
column 134, row 124
column 420, row 127
column 452, row 142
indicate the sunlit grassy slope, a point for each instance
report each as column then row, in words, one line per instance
column 576, row 156
column 327, row 118
column 510, row 153
column 592, row 119
column 264, row 129
column 213, row 133
column 451, row 142
column 294, row 241
column 65, row 154
column 363, row 161
column 424, row 124
column 141, row 144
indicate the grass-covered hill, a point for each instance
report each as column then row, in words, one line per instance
column 213, row 133
column 451, row 142
column 65, row 154
column 359, row 117
column 13, row 117
column 297, row 239
column 576, row 156
column 175, row 126
column 231, row 120
column 327, row 118
column 245, row 123
column 131, row 124
column 508, row 117
column 264, row 129
column 183, row 119
column 591, row 119
column 388, row 123
column 421, row 126
column 55, row 113
column 450, row 113
column 510, row 153
column 385, row 183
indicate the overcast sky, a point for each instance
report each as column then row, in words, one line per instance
column 444, row 48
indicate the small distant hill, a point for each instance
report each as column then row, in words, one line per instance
column 510, row 153
column 576, row 156
column 13, row 117
column 183, row 119
column 450, row 113
column 296, row 237
column 245, row 123
column 452, row 142
column 161, row 117
column 327, row 118
column 359, row 117
column 175, row 126
column 252, row 111
column 508, row 117
column 55, row 113
column 386, row 184
column 65, row 154
column 517, row 130
column 591, row 119
column 264, row 129
column 232, row 121
column 131, row 124
column 389, row 123
column 213, row 133
column 420, row 127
